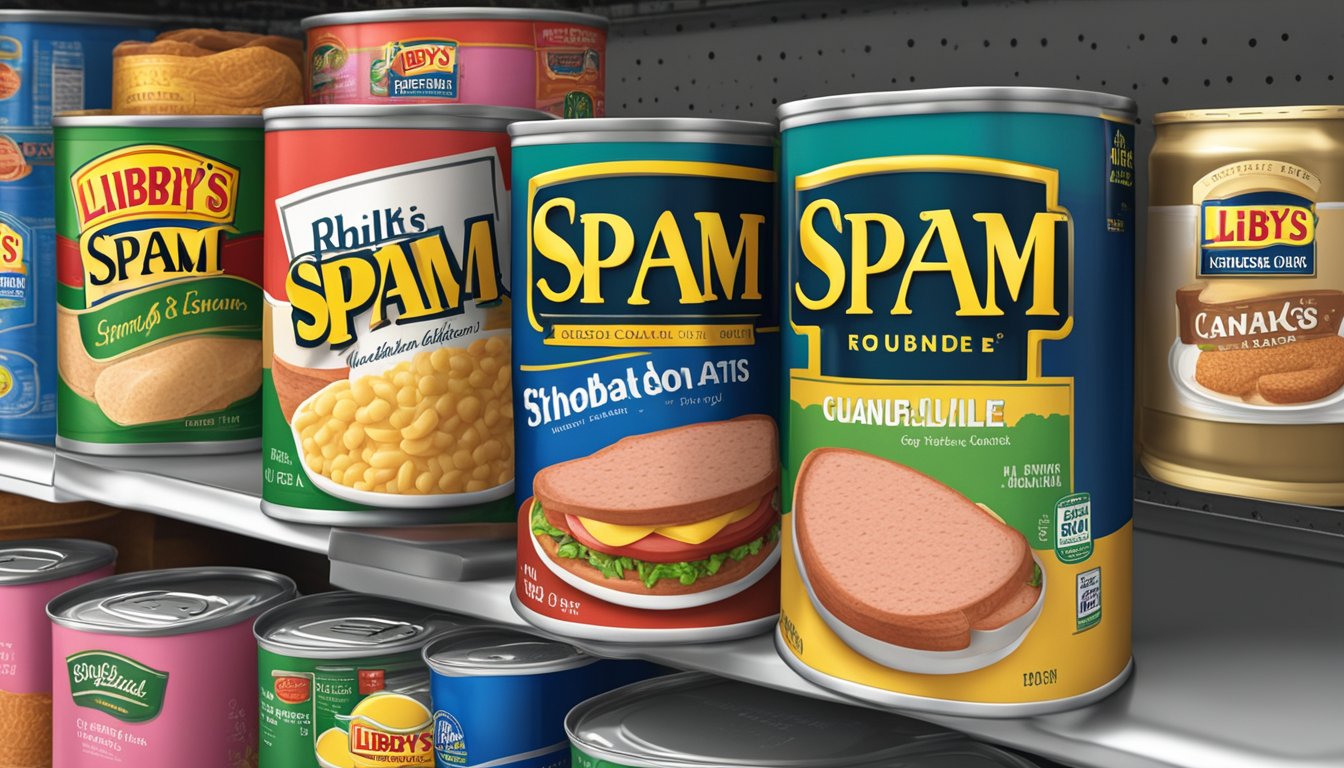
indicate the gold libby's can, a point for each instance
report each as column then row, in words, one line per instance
column 1241, row 360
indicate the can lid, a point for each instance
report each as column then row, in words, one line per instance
column 105, row 120
column 496, row 651
column 602, row 130
column 462, row 117
column 735, row 724
column 341, row 625
column 41, row 560
column 170, row 602
column 1250, row 114
column 1064, row 101
column 79, row 17
column 453, row 14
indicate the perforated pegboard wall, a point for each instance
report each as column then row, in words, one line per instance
column 1167, row 54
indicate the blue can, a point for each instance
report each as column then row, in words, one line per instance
column 50, row 62
column 500, row 697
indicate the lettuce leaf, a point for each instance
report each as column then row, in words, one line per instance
column 614, row 567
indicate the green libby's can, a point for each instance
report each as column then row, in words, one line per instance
column 159, row 256
column 343, row 683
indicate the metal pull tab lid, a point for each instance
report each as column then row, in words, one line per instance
column 163, row 607
column 358, row 631
column 28, row 560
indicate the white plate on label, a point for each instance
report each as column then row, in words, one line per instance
column 987, row 646
column 1182, row 360
column 658, row 602
column 389, row 500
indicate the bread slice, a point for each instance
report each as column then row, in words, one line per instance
column 899, row 556
column 681, row 475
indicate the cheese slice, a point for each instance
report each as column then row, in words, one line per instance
column 689, row 533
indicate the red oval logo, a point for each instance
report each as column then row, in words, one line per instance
column 293, row 690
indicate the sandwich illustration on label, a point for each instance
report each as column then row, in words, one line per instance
column 671, row 519
column 966, row 586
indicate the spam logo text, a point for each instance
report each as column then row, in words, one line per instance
column 151, row 214
column 1262, row 233
column 942, row 266
column 670, row 248
column 402, row 273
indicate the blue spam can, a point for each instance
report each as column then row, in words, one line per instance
column 50, row 62
column 500, row 697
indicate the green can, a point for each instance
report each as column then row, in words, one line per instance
column 343, row 683
column 159, row 256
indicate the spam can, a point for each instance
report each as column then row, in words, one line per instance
column 387, row 374
column 958, row 352
column 342, row 682
column 32, row 573
column 646, row 343
column 1241, row 360
column 158, row 249
column 140, row 661
column 694, row 719
column 50, row 62
column 514, row 57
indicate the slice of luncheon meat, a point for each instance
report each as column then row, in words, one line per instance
column 1021, row 601
column 900, row 557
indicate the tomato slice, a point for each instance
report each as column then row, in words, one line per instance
column 656, row 548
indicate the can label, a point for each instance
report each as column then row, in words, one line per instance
column 159, row 256
column 120, row 686
column 1255, row 333
column 554, row 66
column 942, row 427
column 389, row 379
column 647, row 347
column 319, row 713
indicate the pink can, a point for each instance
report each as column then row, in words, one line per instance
column 507, row 57
column 31, row 574
column 158, row 669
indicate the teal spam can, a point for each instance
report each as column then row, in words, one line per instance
column 50, row 62
column 646, row 337
column 958, row 357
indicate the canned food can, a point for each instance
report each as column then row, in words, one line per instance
column 737, row 725
column 647, row 353
column 50, row 62
column 514, row 57
column 1242, row 360
column 343, row 684
column 32, row 573
column 500, row 697
column 958, row 458
column 140, row 661
column 387, row 375
column 158, row 249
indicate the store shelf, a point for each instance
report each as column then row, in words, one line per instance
column 222, row 492
column 1220, row 622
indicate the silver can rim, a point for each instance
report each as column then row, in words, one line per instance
column 285, row 590
column 575, row 659
column 602, row 130
column 157, row 121
column 100, row 555
column 460, row 117
column 994, row 99
column 79, row 18
column 266, row 623
column 452, row 14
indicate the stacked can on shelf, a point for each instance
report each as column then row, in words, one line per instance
column 50, row 62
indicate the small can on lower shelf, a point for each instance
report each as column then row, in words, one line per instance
column 342, row 682
column 141, row 661
column 31, row 574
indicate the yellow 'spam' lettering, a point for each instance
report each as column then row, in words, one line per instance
column 420, row 276
column 736, row 266
column 1002, row 256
